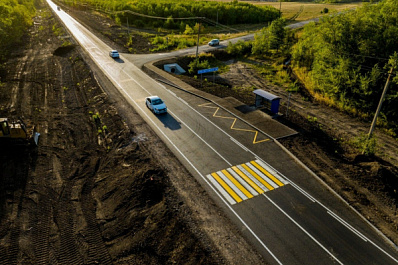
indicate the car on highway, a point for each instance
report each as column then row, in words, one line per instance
column 156, row 104
column 114, row 54
column 214, row 42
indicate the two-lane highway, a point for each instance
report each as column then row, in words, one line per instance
column 253, row 180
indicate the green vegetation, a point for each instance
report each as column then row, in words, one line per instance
column 368, row 146
column 228, row 13
column 205, row 61
column 344, row 60
column 15, row 17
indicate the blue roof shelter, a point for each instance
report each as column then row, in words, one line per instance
column 268, row 100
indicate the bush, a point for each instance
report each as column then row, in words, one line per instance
column 194, row 66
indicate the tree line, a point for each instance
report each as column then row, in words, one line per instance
column 227, row 13
column 346, row 59
column 15, row 17
column 343, row 60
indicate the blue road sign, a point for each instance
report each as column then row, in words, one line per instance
column 208, row 70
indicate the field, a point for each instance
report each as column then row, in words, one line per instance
column 300, row 11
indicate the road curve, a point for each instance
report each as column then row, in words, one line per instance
column 245, row 172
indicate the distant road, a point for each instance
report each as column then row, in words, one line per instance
column 141, row 59
column 245, row 172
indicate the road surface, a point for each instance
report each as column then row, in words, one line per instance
column 245, row 171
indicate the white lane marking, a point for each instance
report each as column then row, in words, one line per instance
column 242, row 181
column 125, row 80
column 198, row 172
column 295, row 185
column 221, row 189
column 347, row 225
column 302, row 229
column 232, row 185
column 261, row 175
column 255, row 180
column 239, row 144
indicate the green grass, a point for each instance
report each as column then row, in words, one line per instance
column 309, row 10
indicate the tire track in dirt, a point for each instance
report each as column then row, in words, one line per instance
column 99, row 253
column 63, row 212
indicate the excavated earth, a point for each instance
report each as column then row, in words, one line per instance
column 101, row 187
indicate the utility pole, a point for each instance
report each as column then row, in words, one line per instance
column 381, row 101
column 197, row 45
column 128, row 28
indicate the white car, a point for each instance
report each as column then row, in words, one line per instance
column 114, row 54
column 156, row 105
column 214, row 42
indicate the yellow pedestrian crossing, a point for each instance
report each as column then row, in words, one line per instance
column 244, row 181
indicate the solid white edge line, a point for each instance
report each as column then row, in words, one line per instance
column 202, row 175
column 347, row 225
column 190, row 163
column 302, row 229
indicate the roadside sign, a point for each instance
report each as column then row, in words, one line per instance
column 208, row 70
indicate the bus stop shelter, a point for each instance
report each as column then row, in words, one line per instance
column 267, row 100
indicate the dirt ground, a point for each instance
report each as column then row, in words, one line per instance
column 369, row 184
column 91, row 194
column 101, row 188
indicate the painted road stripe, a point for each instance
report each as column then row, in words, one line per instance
column 272, row 171
column 226, row 187
column 261, row 175
column 237, row 184
column 266, row 184
column 221, row 190
column 244, row 171
column 243, row 182
column 274, row 179
column 247, row 180
column 232, row 185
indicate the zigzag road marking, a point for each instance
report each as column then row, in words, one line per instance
column 255, row 141
column 245, row 181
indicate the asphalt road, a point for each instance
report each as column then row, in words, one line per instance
column 245, row 172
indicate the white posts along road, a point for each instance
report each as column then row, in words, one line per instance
column 283, row 221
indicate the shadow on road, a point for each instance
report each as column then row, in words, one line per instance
column 119, row 60
column 169, row 122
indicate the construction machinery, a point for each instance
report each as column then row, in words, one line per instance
column 13, row 131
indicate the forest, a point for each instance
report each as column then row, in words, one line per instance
column 345, row 60
column 227, row 13
column 15, row 17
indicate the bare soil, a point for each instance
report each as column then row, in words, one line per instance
column 101, row 187
column 324, row 144
column 369, row 184
column 90, row 194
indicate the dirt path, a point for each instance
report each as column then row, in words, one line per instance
column 101, row 188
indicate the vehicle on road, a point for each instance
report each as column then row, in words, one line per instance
column 114, row 54
column 156, row 104
column 214, row 42
column 58, row 8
